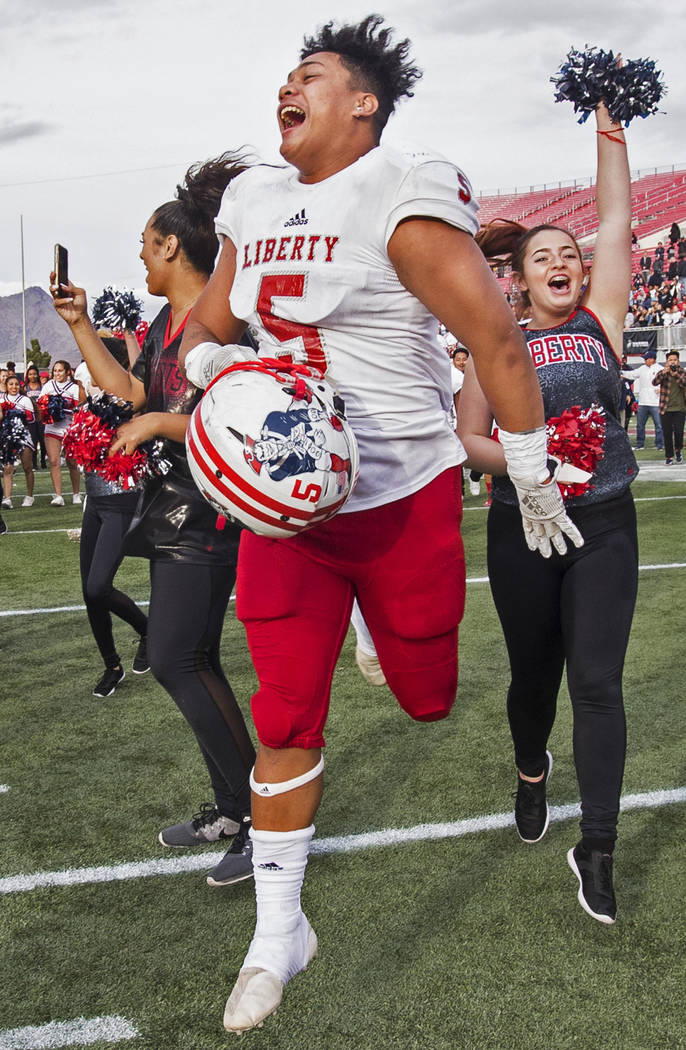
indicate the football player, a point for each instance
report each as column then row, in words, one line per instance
column 383, row 245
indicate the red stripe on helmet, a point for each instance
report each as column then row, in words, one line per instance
column 233, row 498
column 240, row 482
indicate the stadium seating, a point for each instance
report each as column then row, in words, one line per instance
column 658, row 201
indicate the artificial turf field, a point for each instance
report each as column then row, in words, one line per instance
column 469, row 941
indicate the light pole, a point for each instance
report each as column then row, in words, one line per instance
column 23, row 297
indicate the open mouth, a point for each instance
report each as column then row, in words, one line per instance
column 291, row 117
column 559, row 283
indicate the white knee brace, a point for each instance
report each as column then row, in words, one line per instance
column 267, row 790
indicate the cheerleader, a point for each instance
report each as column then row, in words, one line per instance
column 32, row 388
column 62, row 384
column 574, row 607
column 107, row 515
column 14, row 401
column 192, row 553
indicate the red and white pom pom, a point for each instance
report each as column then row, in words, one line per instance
column 577, row 437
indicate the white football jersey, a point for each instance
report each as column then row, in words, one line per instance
column 314, row 280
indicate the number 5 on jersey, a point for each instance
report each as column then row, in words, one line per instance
column 291, row 285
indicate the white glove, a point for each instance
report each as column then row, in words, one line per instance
column 544, row 519
column 207, row 360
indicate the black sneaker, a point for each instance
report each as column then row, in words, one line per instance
column 593, row 869
column 532, row 815
column 109, row 681
column 209, row 825
column 3, row 527
column 678, row 458
column 236, row 864
column 140, row 661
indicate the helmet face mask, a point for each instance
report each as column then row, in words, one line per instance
column 269, row 446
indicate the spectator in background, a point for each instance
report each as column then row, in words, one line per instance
column 646, row 265
column 674, row 233
column 647, row 397
column 627, row 395
column 672, row 383
column 681, row 276
column 672, row 316
column 11, row 368
column 659, row 256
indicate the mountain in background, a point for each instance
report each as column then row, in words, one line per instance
column 42, row 323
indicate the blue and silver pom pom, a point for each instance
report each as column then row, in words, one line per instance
column 118, row 309
column 588, row 77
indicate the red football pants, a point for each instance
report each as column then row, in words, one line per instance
column 405, row 563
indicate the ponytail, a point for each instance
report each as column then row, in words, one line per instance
column 190, row 217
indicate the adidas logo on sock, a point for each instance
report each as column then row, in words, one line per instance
column 271, row 866
column 297, row 220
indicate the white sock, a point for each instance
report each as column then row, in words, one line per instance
column 365, row 641
column 280, row 943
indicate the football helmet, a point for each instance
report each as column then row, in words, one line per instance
column 269, row 446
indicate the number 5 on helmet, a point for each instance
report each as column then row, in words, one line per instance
column 269, row 446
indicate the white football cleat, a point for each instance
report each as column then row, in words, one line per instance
column 257, row 994
column 27, row 501
column 369, row 666
column 57, row 501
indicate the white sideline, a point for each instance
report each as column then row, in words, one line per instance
column 80, row 1032
column 332, row 844
column 470, row 579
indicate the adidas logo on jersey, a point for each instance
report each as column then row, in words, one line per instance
column 298, row 220
column 270, row 866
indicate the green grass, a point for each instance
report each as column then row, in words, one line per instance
column 476, row 942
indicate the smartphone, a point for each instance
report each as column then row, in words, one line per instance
column 61, row 266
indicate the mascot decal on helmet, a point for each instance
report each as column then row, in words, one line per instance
column 295, row 442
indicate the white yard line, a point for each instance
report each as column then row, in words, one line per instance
column 179, row 865
column 80, row 1032
column 34, row 532
column 82, row 608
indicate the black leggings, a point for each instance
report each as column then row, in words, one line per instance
column 577, row 609
column 105, row 521
column 187, row 607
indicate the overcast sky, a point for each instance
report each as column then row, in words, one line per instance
column 105, row 104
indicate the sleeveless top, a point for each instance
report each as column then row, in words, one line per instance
column 576, row 365
column 173, row 521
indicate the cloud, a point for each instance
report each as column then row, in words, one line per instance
column 477, row 17
column 26, row 129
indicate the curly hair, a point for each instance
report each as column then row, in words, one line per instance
column 374, row 64
column 191, row 216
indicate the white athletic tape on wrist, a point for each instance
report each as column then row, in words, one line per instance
column 207, row 360
column 267, row 790
column 526, row 454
